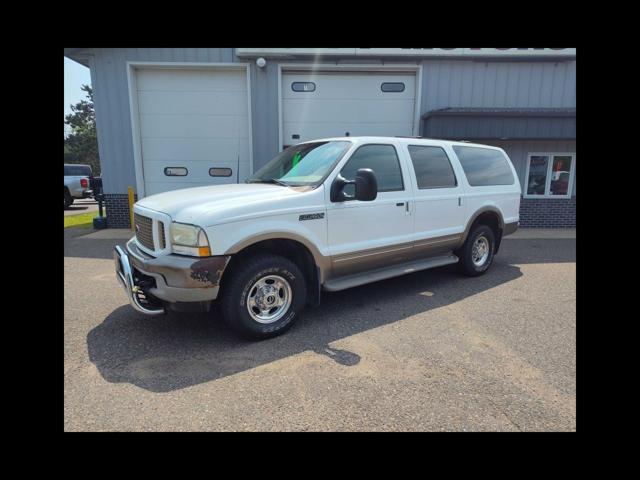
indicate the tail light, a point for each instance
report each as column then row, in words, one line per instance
column 84, row 183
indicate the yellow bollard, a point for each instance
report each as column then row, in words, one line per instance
column 131, row 202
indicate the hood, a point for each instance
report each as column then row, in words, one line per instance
column 206, row 206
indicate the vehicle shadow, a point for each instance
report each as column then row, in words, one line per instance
column 175, row 351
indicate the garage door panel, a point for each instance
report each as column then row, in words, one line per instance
column 196, row 80
column 182, row 150
column 192, row 103
column 159, row 187
column 197, row 171
column 196, row 119
column 352, row 110
column 343, row 102
column 349, row 85
column 190, row 126
column 332, row 129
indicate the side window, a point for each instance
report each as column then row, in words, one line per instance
column 484, row 166
column 383, row 160
column 432, row 166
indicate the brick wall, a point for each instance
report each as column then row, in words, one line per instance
column 548, row 212
column 534, row 212
column 117, row 207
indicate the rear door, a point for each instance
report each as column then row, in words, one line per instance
column 438, row 199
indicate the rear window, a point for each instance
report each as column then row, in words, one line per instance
column 484, row 166
column 84, row 170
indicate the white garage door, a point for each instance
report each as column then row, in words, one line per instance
column 337, row 104
column 192, row 121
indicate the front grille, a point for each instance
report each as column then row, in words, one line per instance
column 144, row 232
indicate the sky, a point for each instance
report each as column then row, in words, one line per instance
column 75, row 75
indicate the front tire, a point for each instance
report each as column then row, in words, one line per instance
column 262, row 297
column 476, row 255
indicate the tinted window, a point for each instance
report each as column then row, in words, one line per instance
column 77, row 170
column 383, row 160
column 432, row 167
column 484, row 166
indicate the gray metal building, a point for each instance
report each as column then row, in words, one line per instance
column 176, row 117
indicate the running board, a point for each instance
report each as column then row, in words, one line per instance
column 342, row 283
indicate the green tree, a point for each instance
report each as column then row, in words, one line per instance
column 81, row 145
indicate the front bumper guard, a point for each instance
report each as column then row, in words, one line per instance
column 124, row 272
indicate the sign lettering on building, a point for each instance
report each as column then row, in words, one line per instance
column 414, row 52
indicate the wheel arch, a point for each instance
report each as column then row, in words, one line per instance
column 291, row 246
column 489, row 215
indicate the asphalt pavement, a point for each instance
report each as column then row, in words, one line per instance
column 429, row 351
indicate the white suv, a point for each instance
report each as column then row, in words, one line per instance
column 328, row 215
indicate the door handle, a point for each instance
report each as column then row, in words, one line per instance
column 400, row 204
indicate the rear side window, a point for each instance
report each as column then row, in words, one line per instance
column 484, row 166
column 383, row 160
column 77, row 170
column 432, row 166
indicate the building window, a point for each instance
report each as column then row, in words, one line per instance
column 303, row 87
column 549, row 175
column 176, row 171
column 392, row 87
column 220, row 172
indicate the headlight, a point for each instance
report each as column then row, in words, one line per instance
column 189, row 240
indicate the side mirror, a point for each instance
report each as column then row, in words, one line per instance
column 365, row 183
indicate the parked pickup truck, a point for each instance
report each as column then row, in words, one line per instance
column 329, row 215
column 77, row 183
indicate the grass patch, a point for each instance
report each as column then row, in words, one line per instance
column 82, row 220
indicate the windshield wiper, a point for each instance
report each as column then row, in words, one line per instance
column 270, row 180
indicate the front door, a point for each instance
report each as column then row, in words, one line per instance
column 365, row 235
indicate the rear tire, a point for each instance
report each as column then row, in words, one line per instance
column 68, row 199
column 476, row 254
column 263, row 297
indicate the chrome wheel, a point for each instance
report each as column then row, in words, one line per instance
column 269, row 299
column 480, row 251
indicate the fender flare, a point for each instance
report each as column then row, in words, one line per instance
column 323, row 263
column 474, row 217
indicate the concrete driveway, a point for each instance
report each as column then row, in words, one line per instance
column 426, row 351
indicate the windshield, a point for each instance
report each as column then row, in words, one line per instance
column 306, row 164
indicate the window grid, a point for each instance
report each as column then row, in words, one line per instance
column 550, row 158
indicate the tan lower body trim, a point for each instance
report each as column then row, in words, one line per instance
column 355, row 262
